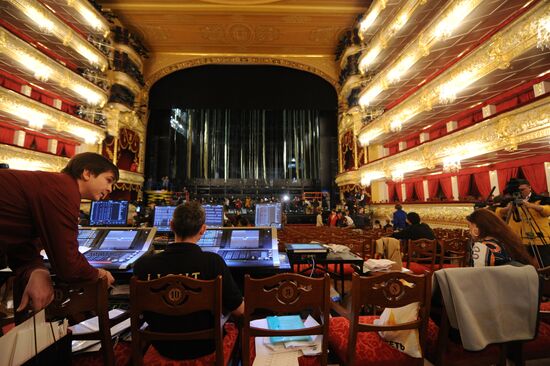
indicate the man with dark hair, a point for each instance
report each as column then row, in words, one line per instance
column 41, row 209
column 528, row 217
column 416, row 230
column 185, row 257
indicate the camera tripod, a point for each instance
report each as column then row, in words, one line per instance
column 519, row 213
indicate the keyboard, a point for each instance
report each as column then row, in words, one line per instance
column 114, row 259
column 247, row 258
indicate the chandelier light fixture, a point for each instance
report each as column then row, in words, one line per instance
column 451, row 164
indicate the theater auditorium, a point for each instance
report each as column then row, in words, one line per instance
column 275, row 182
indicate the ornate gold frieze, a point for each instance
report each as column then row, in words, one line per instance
column 130, row 177
column 44, row 117
column 38, row 66
column 504, row 132
column 496, row 53
column 24, row 159
column 436, row 215
column 232, row 60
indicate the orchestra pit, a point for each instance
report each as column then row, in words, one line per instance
column 275, row 182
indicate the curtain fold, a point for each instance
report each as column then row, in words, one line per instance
column 409, row 191
column 504, row 175
column 433, row 186
column 419, row 188
column 483, row 183
column 536, row 176
column 463, row 185
column 391, row 191
column 447, row 187
column 399, row 191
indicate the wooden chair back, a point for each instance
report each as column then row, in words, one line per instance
column 286, row 293
column 422, row 251
column 454, row 251
column 388, row 290
column 175, row 295
column 83, row 300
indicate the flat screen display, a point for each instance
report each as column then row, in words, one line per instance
column 118, row 240
column 109, row 213
column 214, row 215
column 269, row 214
column 162, row 217
column 245, row 239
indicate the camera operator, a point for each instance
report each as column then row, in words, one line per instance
column 527, row 215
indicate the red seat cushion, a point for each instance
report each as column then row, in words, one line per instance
column 302, row 360
column 540, row 346
column 123, row 354
column 370, row 348
column 545, row 306
column 153, row 358
column 417, row 268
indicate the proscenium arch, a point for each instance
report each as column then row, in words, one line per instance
column 236, row 60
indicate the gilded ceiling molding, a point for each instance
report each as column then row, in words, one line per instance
column 38, row 16
column 40, row 116
column 90, row 15
column 504, row 132
column 41, row 67
column 442, row 215
column 233, row 60
column 24, row 159
column 497, row 53
column 130, row 177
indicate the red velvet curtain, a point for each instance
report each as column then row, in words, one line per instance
column 409, row 190
column 504, row 175
column 483, row 183
column 464, row 185
column 447, row 187
column 536, row 176
column 6, row 135
column 399, row 191
column 419, row 188
column 433, row 186
column 391, row 191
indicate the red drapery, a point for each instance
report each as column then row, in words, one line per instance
column 399, row 191
column 409, row 190
column 536, row 176
column 433, row 185
column 447, row 187
column 504, row 175
column 391, row 191
column 463, row 185
column 419, row 188
column 483, row 183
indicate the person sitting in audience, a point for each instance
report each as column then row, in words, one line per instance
column 184, row 256
column 495, row 243
column 416, row 230
column 377, row 224
column 347, row 221
column 332, row 219
column 387, row 226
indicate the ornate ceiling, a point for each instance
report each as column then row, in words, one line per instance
column 302, row 31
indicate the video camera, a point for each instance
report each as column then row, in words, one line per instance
column 512, row 192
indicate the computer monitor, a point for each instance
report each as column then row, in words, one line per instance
column 162, row 217
column 269, row 214
column 214, row 215
column 109, row 213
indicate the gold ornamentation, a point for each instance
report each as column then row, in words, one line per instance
column 447, row 215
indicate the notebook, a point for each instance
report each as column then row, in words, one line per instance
column 286, row 322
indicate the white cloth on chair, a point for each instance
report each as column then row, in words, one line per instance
column 490, row 304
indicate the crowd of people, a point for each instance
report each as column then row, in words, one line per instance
column 41, row 210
